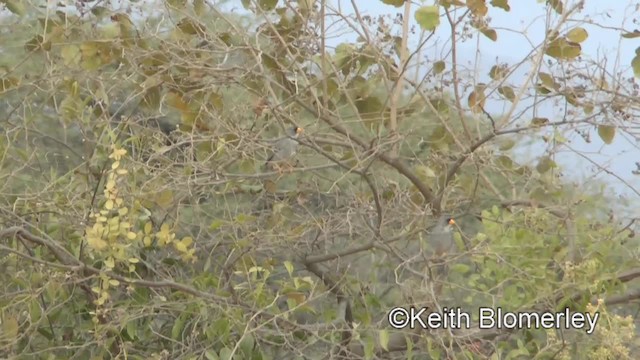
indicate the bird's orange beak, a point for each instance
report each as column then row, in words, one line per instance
column 299, row 130
column 452, row 222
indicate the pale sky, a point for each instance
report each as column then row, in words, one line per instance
column 527, row 18
column 518, row 31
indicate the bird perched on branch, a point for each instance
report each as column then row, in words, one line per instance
column 441, row 242
column 285, row 147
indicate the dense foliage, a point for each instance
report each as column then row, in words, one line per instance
column 138, row 221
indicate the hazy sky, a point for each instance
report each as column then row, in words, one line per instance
column 528, row 18
column 521, row 29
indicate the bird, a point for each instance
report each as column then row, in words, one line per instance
column 285, row 147
column 441, row 242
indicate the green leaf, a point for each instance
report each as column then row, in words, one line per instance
column 447, row 3
column 635, row 64
column 507, row 145
column 70, row 54
column 176, row 330
column 607, row 133
column 507, row 92
column 177, row 4
column 577, row 35
column 131, row 330
column 396, row 3
column 505, row 162
column 268, row 5
column 10, row 328
column 46, row 333
column 211, row 355
column 384, row 339
column 547, row 81
column 15, row 6
column 490, row 33
column 460, row 268
column 556, row 5
column 225, row 353
column 438, row 67
column 99, row 11
column 562, row 49
column 289, row 266
column 35, row 311
column 428, row 17
column 425, row 172
column 369, row 347
column 190, row 27
column 545, row 164
column 246, row 345
column 199, row 7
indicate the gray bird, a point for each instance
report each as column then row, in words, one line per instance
column 286, row 147
column 441, row 242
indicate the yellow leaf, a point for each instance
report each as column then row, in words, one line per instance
column 477, row 99
column 507, row 92
column 110, row 262
column 96, row 243
column 503, row 4
column 114, row 282
column 191, row 27
column 131, row 235
column 108, row 205
column 70, row 54
column 562, row 49
column 384, row 339
column 556, row 5
column 148, row 228
column 187, row 240
column 147, row 241
column 547, row 81
column 428, row 17
column 9, row 329
column 635, row 65
column 134, row 260
column 477, row 7
column 8, row 83
column 289, row 266
column 577, row 35
column 607, row 133
column 165, row 199
column 490, row 33
column 180, row 246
